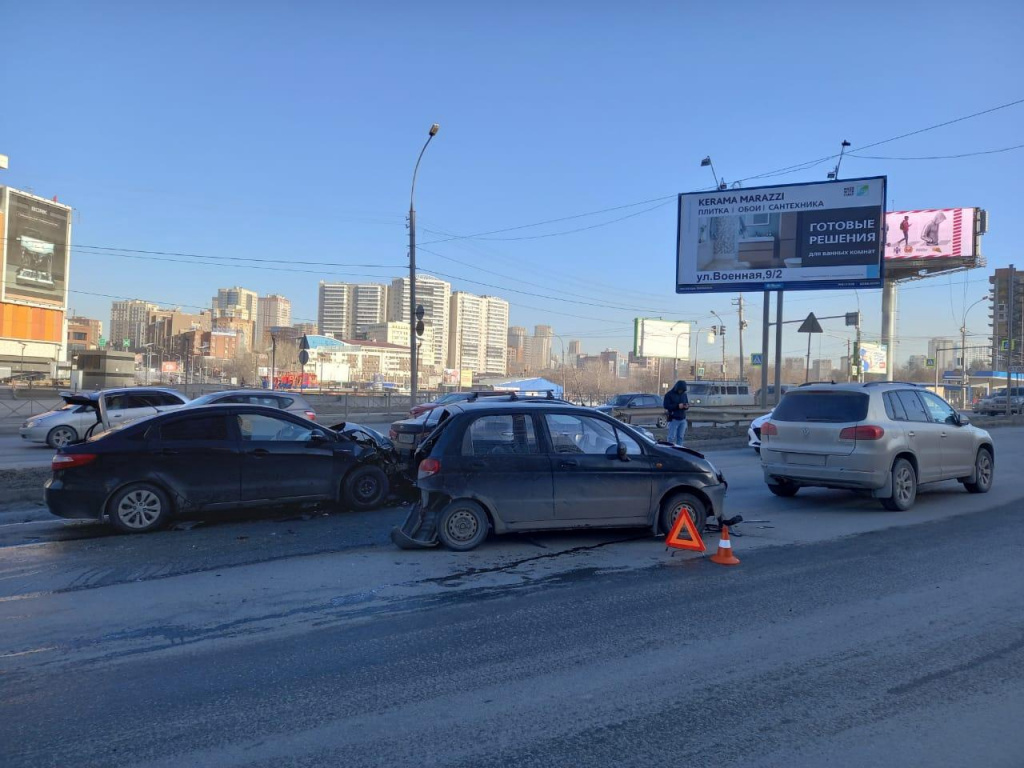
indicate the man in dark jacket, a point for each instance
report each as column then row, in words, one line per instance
column 676, row 403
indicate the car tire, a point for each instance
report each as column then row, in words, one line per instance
column 661, row 423
column 784, row 490
column 904, row 487
column 674, row 504
column 60, row 436
column 462, row 525
column 365, row 488
column 139, row 508
column 984, row 470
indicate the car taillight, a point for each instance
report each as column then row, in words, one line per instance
column 311, row 415
column 392, row 434
column 769, row 430
column 428, row 467
column 71, row 460
column 865, row 432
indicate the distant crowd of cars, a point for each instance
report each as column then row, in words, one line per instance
column 477, row 462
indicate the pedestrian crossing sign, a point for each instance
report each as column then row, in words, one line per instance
column 756, row 359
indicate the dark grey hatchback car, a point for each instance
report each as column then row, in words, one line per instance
column 531, row 465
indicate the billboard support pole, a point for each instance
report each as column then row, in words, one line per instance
column 764, row 347
column 778, row 347
column 1011, row 291
column 889, row 296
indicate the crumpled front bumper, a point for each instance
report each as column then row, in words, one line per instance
column 419, row 531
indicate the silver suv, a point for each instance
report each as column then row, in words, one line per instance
column 995, row 404
column 884, row 437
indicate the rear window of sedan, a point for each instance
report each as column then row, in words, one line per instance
column 816, row 405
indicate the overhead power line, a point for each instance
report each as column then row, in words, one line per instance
column 941, row 157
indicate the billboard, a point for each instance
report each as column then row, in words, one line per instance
column 873, row 358
column 169, row 366
column 35, row 249
column 934, row 233
column 816, row 236
column 654, row 337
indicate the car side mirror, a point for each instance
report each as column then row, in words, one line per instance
column 619, row 451
column 319, row 436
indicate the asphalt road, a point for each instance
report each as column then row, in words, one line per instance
column 848, row 636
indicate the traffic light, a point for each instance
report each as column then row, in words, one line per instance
column 721, row 329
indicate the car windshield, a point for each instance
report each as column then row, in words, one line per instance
column 817, row 405
column 698, row 388
column 619, row 400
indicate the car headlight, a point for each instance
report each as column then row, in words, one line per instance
column 30, row 424
column 712, row 468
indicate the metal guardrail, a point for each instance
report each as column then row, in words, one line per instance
column 697, row 414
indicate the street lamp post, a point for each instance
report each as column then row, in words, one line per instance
column 675, row 367
column 22, row 369
column 148, row 346
column 963, row 353
column 412, row 272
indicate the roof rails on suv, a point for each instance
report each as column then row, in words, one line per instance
column 904, row 383
column 811, row 383
column 513, row 396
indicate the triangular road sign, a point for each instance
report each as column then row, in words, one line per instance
column 810, row 325
column 695, row 542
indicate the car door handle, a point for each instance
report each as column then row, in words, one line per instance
column 259, row 453
column 478, row 464
column 568, row 464
column 168, row 452
column 912, row 434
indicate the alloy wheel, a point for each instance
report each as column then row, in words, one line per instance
column 139, row 509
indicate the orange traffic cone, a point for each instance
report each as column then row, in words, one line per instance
column 724, row 555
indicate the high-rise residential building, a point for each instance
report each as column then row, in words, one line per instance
column 434, row 296
column 539, row 356
column 305, row 329
column 346, row 310
column 478, row 333
column 273, row 311
column 945, row 351
column 1007, row 332
column 369, row 307
column 821, row 370
column 83, row 333
column 574, row 351
column 129, row 321
column 334, row 310
column 238, row 304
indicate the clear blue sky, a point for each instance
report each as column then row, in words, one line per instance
column 289, row 131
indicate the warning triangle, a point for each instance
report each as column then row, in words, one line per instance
column 810, row 325
column 695, row 542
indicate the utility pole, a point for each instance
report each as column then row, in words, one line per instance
column 739, row 310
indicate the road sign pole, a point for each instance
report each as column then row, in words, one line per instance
column 778, row 346
column 766, row 320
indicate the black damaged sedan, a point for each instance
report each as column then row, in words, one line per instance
column 211, row 458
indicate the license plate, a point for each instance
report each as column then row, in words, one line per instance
column 806, row 459
column 406, row 437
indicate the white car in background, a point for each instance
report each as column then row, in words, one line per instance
column 69, row 423
column 754, row 431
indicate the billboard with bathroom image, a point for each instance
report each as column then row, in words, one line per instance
column 817, row 236
column 35, row 249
